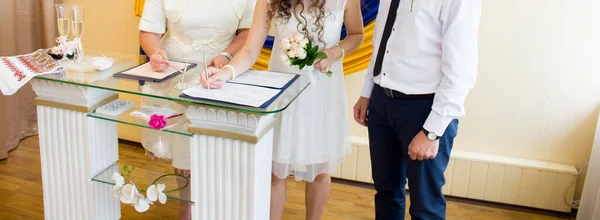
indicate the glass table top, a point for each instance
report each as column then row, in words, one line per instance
column 83, row 73
column 142, row 178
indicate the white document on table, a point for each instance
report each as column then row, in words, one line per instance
column 264, row 78
column 146, row 70
column 247, row 95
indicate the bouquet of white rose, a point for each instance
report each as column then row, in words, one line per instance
column 299, row 51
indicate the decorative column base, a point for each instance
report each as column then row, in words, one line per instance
column 73, row 149
column 231, row 164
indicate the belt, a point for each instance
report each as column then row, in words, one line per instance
column 400, row 95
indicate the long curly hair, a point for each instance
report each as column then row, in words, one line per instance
column 284, row 9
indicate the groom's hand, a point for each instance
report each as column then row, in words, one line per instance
column 360, row 111
column 422, row 148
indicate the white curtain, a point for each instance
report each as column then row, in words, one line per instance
column 589, row 208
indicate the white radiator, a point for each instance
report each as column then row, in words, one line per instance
column 486, row 177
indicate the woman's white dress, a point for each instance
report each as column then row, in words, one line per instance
column 194, row 27
column 313, row 134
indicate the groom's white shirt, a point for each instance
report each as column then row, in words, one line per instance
column 432, row 49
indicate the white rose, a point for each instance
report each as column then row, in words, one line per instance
column 292, row 54
column 294, row 46
column 304, row 42
column 284, row 58
column 302, row 55
column 298, row 37
column 285, row 44
column 290, row 39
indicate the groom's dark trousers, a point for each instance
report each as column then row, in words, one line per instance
column 393, row 122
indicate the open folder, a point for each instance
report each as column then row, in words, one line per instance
column 145, row 72
column 247, row 90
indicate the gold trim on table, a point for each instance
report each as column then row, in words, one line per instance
column 253, row 139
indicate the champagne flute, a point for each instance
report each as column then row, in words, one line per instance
column 77, row 28
column 62, row 16
column 63, row 20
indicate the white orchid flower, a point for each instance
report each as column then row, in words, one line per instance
column 118, row 180
column 142, row 204
column 155, row 192
column 129, row 194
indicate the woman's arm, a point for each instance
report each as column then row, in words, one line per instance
column 150, row 43
column 355, row 33
column 237, row 43
column 248, row 54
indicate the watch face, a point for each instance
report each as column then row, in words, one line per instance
column 431, row 136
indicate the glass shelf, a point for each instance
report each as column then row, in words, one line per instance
column 176, row 125
column 84, row 74
column 143, row 178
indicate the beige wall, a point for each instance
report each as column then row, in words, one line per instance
column 110, row 27
column 538, row 90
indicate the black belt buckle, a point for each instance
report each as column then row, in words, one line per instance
column 389, row 92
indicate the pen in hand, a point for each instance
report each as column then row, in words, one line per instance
column 205, row 70
column 170, row 64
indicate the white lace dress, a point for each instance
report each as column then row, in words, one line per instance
column 194, row 27
column 313, row 134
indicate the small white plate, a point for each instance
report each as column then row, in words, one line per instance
column 102, row 63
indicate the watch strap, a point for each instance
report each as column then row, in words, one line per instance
column 427, row 133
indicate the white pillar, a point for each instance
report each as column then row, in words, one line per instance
column 73, row 149
column 231, row 164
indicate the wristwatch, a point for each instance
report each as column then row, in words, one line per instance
column 430, row 135
column 227, row 55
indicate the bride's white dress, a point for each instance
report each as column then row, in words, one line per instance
column 313, row 133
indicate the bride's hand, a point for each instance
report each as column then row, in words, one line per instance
column 211, row 71
column 216, row 78
column 323, row 66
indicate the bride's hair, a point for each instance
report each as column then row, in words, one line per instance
column 284, row 9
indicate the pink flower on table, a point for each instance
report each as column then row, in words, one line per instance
column 157, row 121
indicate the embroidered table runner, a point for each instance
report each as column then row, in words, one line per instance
column 16, row 71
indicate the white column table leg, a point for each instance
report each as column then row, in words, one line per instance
column 74, row 148
column 231, row 164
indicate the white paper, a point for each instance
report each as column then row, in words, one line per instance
column 264, row 78
column 145, row 70
column 234, row 93
column 115, row 108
